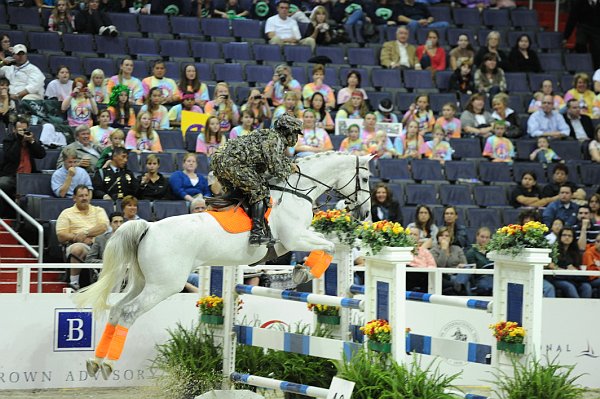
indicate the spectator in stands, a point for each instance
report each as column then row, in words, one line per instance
column 142, row 137
column 477, row 255
column 80, row 104
column 198, row 205
column 204, row 8
column 116, row 138
column 581, row 126
column 318, row 29
column 190, row 81
column 231, row 9
column 462, row 79
column 546, row 89
column 502, row 112
column 317, row 85
column 212, row 137
column 66, row 178
column 522, row 58
column 115, row 181
column 596, row 81
column 20, row 148
column 594, row 204
column 8, row 106
column 381, row 146
column 438, row 148
column 489, row 77
column 421, row 256
column 261, row 9
column 61, row 20
column 240, row 130
column 97, row 249
column 497, row 147
column 385, row 110
column 547, row 122
column 416, row 15
column 399, row 53
column 543, row 153
column 449, row 124
column 563, row 208
column 129, row 207
column 527, row 193
column 368, row 130
column 458, row 232
column 408, row 145
column 555, row 228
column 5, row 47
column 282, row 29
column 281, row 83
column 582, row 93
column 259, row 108
column 223, row 107
column 529, row 215
column 349, row 13
column 447, row 254
column 424, row 222
column 101, row 132
column 475, row 120
column 186, row 183
column 356, row 108
column 383, row 204
column 560, row 176
column 168, row 88
column 492, row 45
column 380, row 12
column 26, row 80
column 594, row 146
column 152, row 184
column 463, row 52
column 98, row 86
column 584, row 16
column 324, row 119
column 61, row 87
column 585, row 230
column 125, row 77
column 188, row 103
column 313, row 139
column 569, row 258
column 431, row 56
column 158, row 112
column 419, row 111
column 353, row 144
column 292, row 105
column 591, row 260
column 88, row 152
column 94, row 21
column 121, row 111
column 77, row 227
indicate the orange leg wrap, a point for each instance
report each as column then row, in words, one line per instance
column 318, row 261
column 104, row 344
column 117, row 343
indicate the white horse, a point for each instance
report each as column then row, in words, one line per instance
column 156, row 258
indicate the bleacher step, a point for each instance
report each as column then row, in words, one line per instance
column 53, row 287
column 49, row 276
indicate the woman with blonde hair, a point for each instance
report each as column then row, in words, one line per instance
column 142, row 137
column 98, row 86
column 211, row 138
column 582, row 93
column 318, row 28
column 291, row 105
column 223, row 107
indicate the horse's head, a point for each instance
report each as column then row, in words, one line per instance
column 353, row 185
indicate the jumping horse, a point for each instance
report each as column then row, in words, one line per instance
column 156, row 258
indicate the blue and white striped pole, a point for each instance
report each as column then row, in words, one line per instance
column 449, row 300
column 300, row 296
column 284, row 386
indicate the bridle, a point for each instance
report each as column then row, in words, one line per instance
column 304, row 192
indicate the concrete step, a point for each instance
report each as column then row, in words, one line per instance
column 52, row 287
column 48, row 276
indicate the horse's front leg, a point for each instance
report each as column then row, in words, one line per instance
column 321, row 254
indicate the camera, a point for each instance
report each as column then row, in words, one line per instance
column 225, row 97
column 282, row 77
column 257, row 97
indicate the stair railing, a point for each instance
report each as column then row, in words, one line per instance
column 24, row 275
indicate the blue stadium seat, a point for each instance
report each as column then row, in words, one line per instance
column 267, row 52
column 241, row 94
column 536, row 80
column 451, row 194
column 171, row 140
column 143, row 46
column 332, row 76
column 186, row 26
column 388, row 79
column 579, row 63
column 107, row 205
column 590, row 174
column 521, row 167
column 421, row 194
column 466, row 17
column 300, row 74
column 442, row 80
column 456, row 170
column 567, row 149
column 133, row 163
column 237, row 52
column 466, row 148
column 394, row 169
column 494, row 172
column 215, row 27
column 336, row 140
column 111, row 45
column 488, row 217
column 175, row 48
column 33, row 183
column 258, row 74
column 362, row 56
column 45, row 42
column 247, row 29
column 404, row 100
column 297, row 53
column 150, row 24
column 164, row 209
column 173, row 69
column 230, row 73
column 408, row 214
column 73, row 63
column 190, row 141
column 206, row 50
column 336, row 54
column 441, row 13
column 78, row 43
column 50, row 208
column 551, row 62
column 551, row 41
column 125, row 22
column 49, row 161
column 510, row 215
column 495, row 18
column 23, row 16
column 204, row 72
column 417, row 80
column 487, row 196
column 425, row 169
column 524, row 18
column 517, row 82
column 438, row 100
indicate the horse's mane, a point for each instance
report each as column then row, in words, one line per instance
column 325, row 154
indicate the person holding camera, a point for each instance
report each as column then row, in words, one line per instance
column 258, row 107
column 282, row 82
column 223, row 108
column 20, row 149
column 26, row 80
column 80, row 105
column 318, row 29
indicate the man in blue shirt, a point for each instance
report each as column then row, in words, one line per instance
column 563, row 208
column 69, row 175
column 547, row 122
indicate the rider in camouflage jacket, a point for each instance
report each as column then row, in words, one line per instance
column 247, row 162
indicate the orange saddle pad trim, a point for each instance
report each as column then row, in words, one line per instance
column 235, row 220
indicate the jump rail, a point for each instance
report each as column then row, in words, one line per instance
column 284, row 386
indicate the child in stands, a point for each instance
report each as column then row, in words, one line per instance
column 158, row 112
column 188, row 103
column 407, row 146
column 101, row 131
column 420, row 112
column 497, row 147
column 543, row 153
column 353, row 144
column 450, row 125
column 438, row 148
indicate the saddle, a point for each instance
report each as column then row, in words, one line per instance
column 231, row 211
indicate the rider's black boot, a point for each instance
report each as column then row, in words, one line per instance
column 257, row 234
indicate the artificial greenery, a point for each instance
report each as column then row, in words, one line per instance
column 323, row 310
column 381, row 234
column 514, row 238
column 336, row 222
column 534, row 379
column 377, row 376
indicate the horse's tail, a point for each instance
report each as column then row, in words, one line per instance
column 120, row 252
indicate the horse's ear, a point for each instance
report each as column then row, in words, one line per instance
column 366, row 158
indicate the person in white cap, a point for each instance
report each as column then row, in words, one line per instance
column 26, row 80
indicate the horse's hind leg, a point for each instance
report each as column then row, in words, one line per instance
column 150, row 296
column 94, row 364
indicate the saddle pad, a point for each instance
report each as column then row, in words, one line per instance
column 234, row 220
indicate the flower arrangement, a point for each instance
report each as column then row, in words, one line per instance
column 508, row 331
column 323, row 310
column 378, row 330
column 337, row 222
column 384, row 234
column 210, row 305
column 512, row 239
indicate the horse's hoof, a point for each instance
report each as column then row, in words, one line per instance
column 106, row 369
column 301, row 274
column 92, row 366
